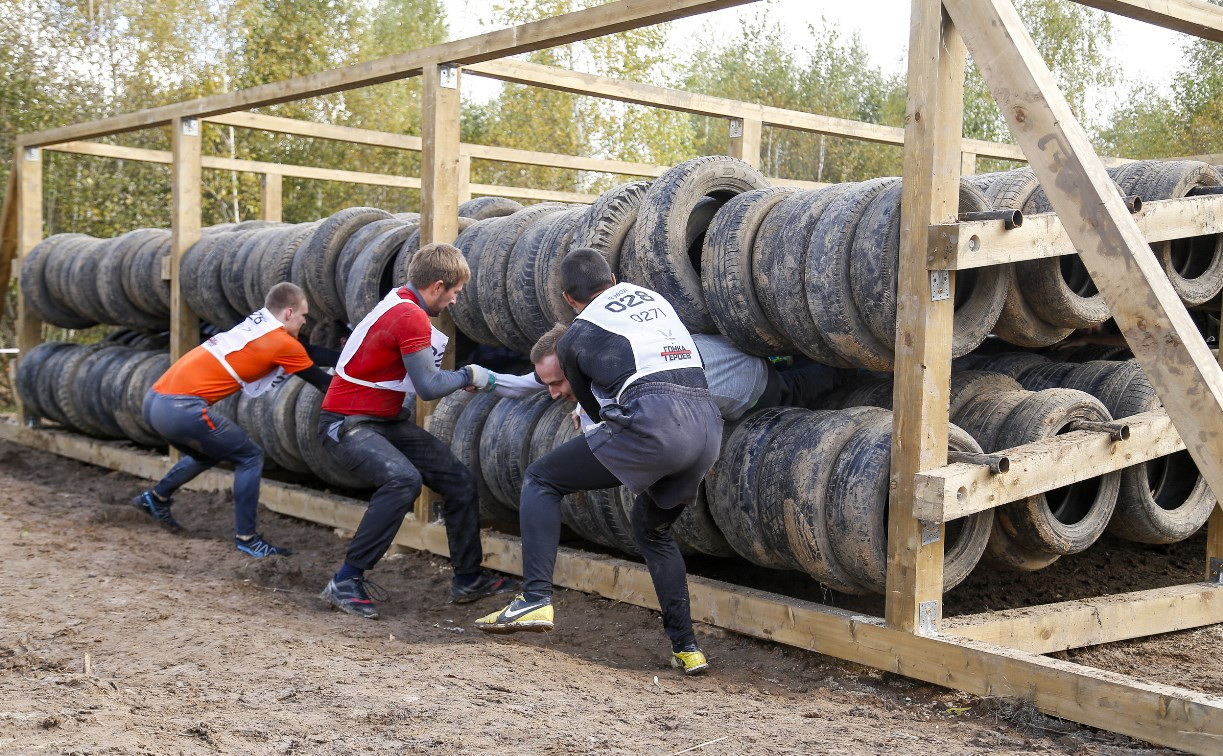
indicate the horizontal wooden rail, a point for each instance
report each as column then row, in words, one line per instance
column 1090, row 622
column 1196, row 17
column 598, row 21
column 1161, row 714
column 959, row 489
column 976, row 244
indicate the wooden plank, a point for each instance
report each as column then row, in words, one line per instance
column 800, row 184
column 463, row 193
column 271, row 197
column 951, row 491
column 968, row 163
column 1196, row 17
column 975, row 244
column 1160, row 714
column 934, row 114
column 28, row 166
column 1214, row 531
column 550, row 77
column 542, row 195
column 745, row 134
column 184, row 229
column 8, row 232
column 1090, row 622
column 1156, row 325
column 600, row 20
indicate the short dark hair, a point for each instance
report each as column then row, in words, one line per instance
column 585, row 273
column 284, row 295
column 547, row 343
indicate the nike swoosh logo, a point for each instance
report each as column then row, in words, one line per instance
column 510, row 614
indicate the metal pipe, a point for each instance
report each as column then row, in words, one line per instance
column 1119, row 431
column 1133, row 203
column 1010, row 218
column 996, row 463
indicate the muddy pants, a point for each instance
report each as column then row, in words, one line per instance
column 204, row 440
column 399, row 457
column 661, row 442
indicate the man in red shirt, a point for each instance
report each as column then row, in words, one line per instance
column 252, row 356
column 392, row 351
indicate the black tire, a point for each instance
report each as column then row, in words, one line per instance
column 120, row 309
column 442, row 420
column 468, row 317
column 869, row 392
column 607, row 222
column 536, row 250
column 465, row 443
column 726, row 271
column 212, row 305
column 36, row 288
column 83, row 273
column 99, row 383
column 668, row 242
column 493, row 289
column 355, row 247
column 696, row 529
column 281, row 417
column 190, row 267
column 1014, row 364
column 234, row 268
column 372, row 274
column 482, row 208
column 319, row 256
column 310, row 443
column 31, row 374
column 967, row 385
column 58, row 275
column 64, row 385
column 610, row 510
column 131, row 417
column 276, row 264
column 142, row 281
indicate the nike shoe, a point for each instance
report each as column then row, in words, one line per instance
column 351, row 596
column 257, row 547
column 690, row 660
column 485, row 584
column 158, row 510
column 531, row 616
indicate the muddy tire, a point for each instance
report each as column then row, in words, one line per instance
column 31, row 373
column 372, row 274
column 36, row 289
column 534, row 262
column 468, row 316
column 504, row 454
column 606, row 224
column 310, row 443
column 493, row 289
column 465, row 443
column 482, row 208
column 318, row 258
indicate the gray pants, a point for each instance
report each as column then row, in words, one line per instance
column 663, row 440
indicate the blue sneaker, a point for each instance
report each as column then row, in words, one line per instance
column 257, row 547
column 158, row 510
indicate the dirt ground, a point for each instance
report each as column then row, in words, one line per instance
column 117, row 637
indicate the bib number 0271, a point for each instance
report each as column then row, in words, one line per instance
column 626, row 301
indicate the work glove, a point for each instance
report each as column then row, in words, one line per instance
column 482, row 379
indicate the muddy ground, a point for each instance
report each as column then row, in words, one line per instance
column 117, row 637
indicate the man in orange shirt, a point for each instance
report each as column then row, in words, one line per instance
column 252, row 356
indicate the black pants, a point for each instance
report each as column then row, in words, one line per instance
column 573, row 467
column 398, row 457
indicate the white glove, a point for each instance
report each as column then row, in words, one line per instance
column 482, row 379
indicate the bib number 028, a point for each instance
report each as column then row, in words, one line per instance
column 626, row 301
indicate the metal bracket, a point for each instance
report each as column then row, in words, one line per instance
column 736, row 128
column 191, row 127
column 940, row 285
column 1216, row 570
column 448, row 76
column 927, row 614
column 929, row 533
column 32, row 153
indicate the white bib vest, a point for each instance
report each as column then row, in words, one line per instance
column 256, row 324
column 438, row 342
column 659, row 340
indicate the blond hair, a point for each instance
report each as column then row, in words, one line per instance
column 438, row 262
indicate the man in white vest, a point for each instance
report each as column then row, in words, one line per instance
column 364, row 426
column 637, row 372
column 252, row 357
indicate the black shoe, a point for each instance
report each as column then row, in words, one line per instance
column 485, row 584
column 158, row 510
column 351, row 596
column 257, row 547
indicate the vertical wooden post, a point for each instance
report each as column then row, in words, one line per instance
column 464, row 190
column 968, row 163
column 745, row 140
column 29, row 234
column 924, row 310
column 271, row 197
column 184, row 228
column 440, row 177
column 1214, row 527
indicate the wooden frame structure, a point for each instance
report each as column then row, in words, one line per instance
column 997, row 653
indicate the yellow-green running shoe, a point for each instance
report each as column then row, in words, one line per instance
column 691, row 661
column 520, row 615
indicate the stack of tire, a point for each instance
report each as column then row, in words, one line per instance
column 77, row 281
column 1054, row 296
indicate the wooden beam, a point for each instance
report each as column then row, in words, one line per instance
column 574, row 82
column 1161, row 714
column 1214, row 530
column 463, row 193
column 184, row 228
column 542, row 195
column 1090, row 622
column 976, row 244
column 28, row 166
column 968, row 163
column 271, row 197
column 745, row 136
column 1156, row 325
column 959, row 489
column 1196, row 17
column 598, row 21
column 8, row 232
column 934, row 116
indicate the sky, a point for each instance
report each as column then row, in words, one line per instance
column 884, row 29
